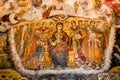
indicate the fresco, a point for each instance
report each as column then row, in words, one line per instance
column 20, row 10
column 59, row 44
column 50, row 37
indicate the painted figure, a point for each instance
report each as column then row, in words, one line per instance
column 19, row 31
column 28, row 43
column 35, row 43
column 81, row 24
column 41, row 39
column 78, row 39
column 41, row 45
column 105, row 12
column 100, row 27
column 94, row 50
column 85, row 8
column 35, row 11
column 51, row 24
column 59, row 47
column 93, row 43
column 78, row 9
column 59, row 7
column 81, row 52
column 37, row 3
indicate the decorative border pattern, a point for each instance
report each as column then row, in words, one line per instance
column 8, row 74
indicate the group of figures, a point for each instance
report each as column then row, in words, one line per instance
column 15, row 11
column 57, row 36
column 80, row 42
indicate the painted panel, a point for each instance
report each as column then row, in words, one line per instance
column 58, row 36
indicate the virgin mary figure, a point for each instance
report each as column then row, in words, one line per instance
column 59, row 47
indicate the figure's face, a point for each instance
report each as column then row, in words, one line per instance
column 80, row 23
column 92, row 23
column 44, row 7
column 58, row 36
column 51, row 23
column 67, row 23
column 44, row 24
column 73, row 22
column 37, row 3
column 78, row 36
column 76, row 4
column 59, row 27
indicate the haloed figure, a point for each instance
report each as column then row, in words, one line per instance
column 94, row 50
column 59, row 47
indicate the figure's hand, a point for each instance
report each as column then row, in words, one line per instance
column 46, row 47
column 53, row 43
column 58, row 41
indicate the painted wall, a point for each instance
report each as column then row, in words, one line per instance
column 59, row 39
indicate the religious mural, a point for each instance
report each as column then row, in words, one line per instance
column 51, row 43
column 50, row 37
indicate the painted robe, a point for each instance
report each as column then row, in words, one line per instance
column 59, row 49
column 94, row 50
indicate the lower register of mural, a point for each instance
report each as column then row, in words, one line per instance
column 61, row 44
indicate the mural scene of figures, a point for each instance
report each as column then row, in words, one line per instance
column 15, row 11
column 40, row 37
column 62, row 42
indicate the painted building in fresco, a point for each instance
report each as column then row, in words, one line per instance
column 59, row 39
